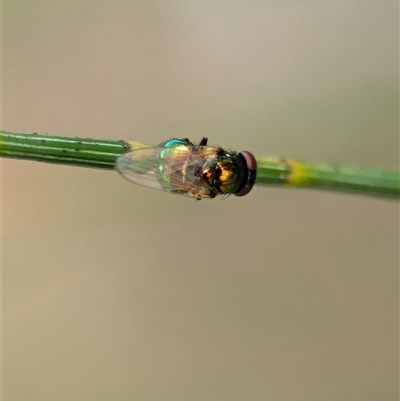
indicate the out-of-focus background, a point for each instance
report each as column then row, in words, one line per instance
column 114, row 291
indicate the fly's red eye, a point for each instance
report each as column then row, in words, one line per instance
column 250, row 173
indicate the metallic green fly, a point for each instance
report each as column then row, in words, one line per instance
column 179, row 167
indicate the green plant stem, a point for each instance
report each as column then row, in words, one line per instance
column 82, row 152
column 293, row 173
column 99, row 153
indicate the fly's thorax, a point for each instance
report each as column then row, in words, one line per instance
column 224, row 172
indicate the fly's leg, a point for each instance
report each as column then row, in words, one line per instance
column 203, row 141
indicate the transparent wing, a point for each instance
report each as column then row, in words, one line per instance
column 177, row 170
column 141, row 167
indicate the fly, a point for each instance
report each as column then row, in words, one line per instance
column 179, row 167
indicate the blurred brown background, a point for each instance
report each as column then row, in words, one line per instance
column 113, row 291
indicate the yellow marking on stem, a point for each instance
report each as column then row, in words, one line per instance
column 136, row 145
column 298, row 173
